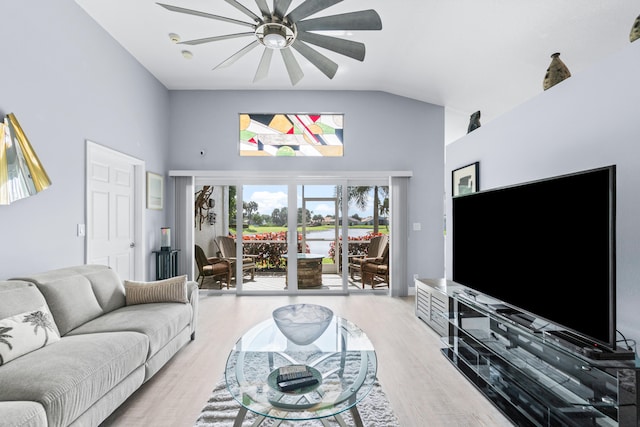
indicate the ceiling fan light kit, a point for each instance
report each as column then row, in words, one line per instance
column 281, row 30
column 274, row 41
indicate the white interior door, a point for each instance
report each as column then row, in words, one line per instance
column 111, row 210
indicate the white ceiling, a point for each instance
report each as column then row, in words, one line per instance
column 466, row 55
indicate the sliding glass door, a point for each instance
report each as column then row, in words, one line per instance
column 288, row 236
column 368, row 235
column 317, row 215
column 265, row 236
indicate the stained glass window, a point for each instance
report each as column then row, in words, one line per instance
column 292, row 135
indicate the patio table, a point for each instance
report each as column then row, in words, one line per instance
column 309, row 270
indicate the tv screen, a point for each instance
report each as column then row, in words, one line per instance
column 545, row 247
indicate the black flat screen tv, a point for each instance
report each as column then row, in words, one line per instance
column 546, row 248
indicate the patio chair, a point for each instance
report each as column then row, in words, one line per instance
column 227, row 246
column 212, row 267
column 375, row 251
column 376, row 271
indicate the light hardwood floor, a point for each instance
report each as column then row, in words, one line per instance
column 423, row 388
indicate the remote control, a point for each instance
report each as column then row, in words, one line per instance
column 293, row 376
column 292, row 372
column 294, row 384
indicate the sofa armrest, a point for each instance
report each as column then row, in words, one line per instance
column 192, row 296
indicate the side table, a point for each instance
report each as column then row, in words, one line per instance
column 166, row 263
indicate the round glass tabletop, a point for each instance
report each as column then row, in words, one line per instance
column 342, row 360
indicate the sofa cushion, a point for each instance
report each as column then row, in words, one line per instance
column 107, row 287
column 71, row 300
column 173, row 289
column 22, row 414
column 69, row 376
column 18, row 296
column 161, row 322
column 78, row 294
column 26, row 332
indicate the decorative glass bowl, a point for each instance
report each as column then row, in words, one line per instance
column 302, row 324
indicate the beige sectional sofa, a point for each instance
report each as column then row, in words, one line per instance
column 91, row 341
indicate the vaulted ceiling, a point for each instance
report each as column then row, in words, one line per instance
column 466, row 55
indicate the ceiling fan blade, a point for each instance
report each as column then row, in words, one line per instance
column 217, row 38
column 233, row 58
column 293, row 68
column 362, row 20
column 263, row 68
column 308, row 8
column 280, row 7
column 355, row 50
column 244, row 10
column 203, row 14
column 324, row 64
column 264, row 9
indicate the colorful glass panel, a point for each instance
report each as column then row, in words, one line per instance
column 292, row 135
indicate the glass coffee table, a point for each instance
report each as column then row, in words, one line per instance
column 342, row 359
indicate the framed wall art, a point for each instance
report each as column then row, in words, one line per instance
column 465, row 180
column 291, row 135
column 155, row 191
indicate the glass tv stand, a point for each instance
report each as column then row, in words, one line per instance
column 533, row 377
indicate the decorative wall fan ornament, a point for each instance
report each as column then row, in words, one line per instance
column 280, row 30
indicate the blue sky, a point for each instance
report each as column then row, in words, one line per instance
column 270, row 197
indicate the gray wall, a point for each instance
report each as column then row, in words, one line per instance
column 67, row 80
column 381, row 132
column 587, row 121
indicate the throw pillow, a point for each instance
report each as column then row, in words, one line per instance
column 167, row 290
column 26, row 332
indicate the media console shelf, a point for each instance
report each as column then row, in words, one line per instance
column 534, row 378
column 433, row 304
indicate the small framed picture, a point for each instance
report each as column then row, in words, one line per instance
column 465, row 180
column 155, row 191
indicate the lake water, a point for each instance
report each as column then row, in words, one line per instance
column 323, row 247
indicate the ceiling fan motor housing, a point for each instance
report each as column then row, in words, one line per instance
column 275, row 35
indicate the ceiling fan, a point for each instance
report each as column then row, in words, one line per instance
column 278, row 30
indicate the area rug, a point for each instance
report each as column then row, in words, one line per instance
column 221, row 410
